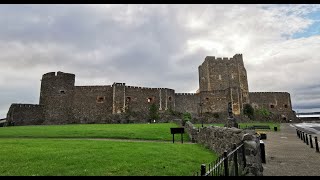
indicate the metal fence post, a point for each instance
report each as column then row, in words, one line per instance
column 203, row 169
column 316, row 142
column 304, row 138
column 301, row 135
column 225, row 162
column 307, row 140
column 235, row 159
column 310, row 137
column 244, row 156
column 263, row 152
column 297, row 132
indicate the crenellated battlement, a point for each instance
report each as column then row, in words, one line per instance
column 118, row 84
column 26, row 105
column 57, row 74
column 139, row 87
column 93, row 86
column 49, row 74
column 269, row 93
column 185, row 94
column 213, row 58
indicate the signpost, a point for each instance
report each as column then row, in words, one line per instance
column 177, row 131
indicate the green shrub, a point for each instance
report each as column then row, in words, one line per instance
column 248, row 111
column 186, row 117
column 216, row 115
column 153, row 112
column 263, row 112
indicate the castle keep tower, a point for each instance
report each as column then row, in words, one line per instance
column 224, row 74
column 56, row 95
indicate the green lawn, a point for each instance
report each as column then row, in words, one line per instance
column 157, row 131
column 244, row 125
column 58, row 157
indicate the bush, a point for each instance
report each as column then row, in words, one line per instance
column 263, row 112
column 248, row 111
column 186, row 117
column 216, row 115
column 153, row 112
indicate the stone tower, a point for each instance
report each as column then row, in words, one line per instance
column 56, row 95
column 224, row 74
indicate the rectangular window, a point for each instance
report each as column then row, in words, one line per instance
column 100, row 99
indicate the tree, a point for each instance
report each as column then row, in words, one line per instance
column 153, row 112
column 248, row 110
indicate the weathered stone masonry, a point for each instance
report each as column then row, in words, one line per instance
column 221, row 80
column 220, row 139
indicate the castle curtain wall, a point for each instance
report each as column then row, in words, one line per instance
column 91, row 103
column 25, row 114
column 221, row 80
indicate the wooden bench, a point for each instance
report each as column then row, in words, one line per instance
column 259, row 127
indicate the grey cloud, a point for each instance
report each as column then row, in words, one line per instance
column 149, row 45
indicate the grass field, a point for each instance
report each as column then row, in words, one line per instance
column 58, row 157
column 156, row 131
column 80, row 150
column 244, row 125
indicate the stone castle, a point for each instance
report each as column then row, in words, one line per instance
column 221, row 80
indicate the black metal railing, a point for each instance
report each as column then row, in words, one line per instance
column 304, row 137
column 228, row 164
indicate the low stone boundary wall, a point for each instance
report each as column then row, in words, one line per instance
column 220, row 139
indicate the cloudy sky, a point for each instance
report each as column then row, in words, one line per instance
column 159, row 46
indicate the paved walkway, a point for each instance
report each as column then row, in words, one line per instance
column 287, row 155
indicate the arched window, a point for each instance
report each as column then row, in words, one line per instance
column 149, row 100
column 170, row 98
column 285, row 106
column 271, row 106
column 128, row 99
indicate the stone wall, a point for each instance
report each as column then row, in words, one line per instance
column 276, row 102
column 56, row 95
column 220, row 139
column 187, row 102
column 139, row 99
column 253, row 155
column 217, row 139
column 91, row 104
column 25, row 114
column 214, row 101
column 225, row 74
